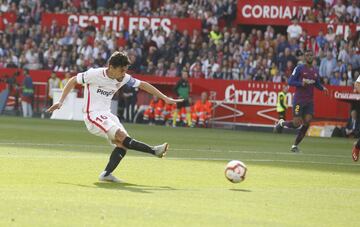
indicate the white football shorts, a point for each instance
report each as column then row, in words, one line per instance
column 103, row 124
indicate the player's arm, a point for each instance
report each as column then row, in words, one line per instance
column 319, row 86
column 68, row 87
column 154, row 91
column 294, row 79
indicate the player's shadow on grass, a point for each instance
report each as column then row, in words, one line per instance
column 133, row 187
column 138, row 188
column 239, row 190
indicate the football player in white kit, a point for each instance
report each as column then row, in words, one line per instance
column 100, row 86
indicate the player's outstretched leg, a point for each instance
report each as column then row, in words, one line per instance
column 115, row 158
column 159, row 151
column 355, row 151
column 122, row 139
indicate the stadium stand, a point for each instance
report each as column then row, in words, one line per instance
column 219, row 52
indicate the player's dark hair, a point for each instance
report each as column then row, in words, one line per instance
column 119, row 59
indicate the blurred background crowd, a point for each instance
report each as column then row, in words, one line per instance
column 217, row 52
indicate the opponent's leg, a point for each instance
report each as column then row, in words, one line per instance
column 302, row 132
column 298, row 110
column 295, row 123
column 281, row 117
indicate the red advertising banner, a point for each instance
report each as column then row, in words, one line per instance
column 118, row 23
column 270, row 12
column 236, row 102
column 254, row 103
column 347, row 95
column 274, row 12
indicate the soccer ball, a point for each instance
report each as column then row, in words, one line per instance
column 235, row 171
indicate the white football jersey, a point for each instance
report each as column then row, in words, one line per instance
column 99, row 88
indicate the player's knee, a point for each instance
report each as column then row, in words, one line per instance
column 119, row 144
column 297, row 122
column 120, row 136
column 308, row 119
column 306, row 123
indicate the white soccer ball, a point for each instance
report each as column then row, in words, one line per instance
column 235, row 171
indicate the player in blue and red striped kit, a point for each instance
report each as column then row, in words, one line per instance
column 356, row 148
column 304, row 77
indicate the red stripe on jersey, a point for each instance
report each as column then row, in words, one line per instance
column 87, row 112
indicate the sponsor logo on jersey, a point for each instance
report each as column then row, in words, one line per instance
column 105, row 93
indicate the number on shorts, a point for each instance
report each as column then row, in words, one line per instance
column 297, row 108
column 102, row 117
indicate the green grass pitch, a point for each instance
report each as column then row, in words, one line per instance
column 49, row 170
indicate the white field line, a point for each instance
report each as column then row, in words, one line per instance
column 179, row 149
column 259, row 152
column 104, row 156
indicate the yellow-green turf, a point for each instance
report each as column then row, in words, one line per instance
column 49, row 170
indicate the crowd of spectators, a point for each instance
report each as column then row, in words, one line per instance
column 212, row 52
column 332, row 11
